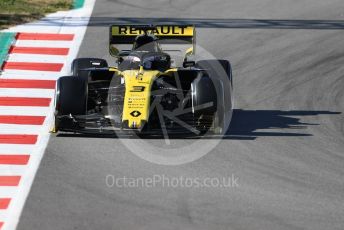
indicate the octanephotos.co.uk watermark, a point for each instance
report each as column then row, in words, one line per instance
column 162, row 180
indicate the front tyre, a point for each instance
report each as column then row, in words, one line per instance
column 220, row 73
column 70, row 99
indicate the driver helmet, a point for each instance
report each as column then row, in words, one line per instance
column 146, row 42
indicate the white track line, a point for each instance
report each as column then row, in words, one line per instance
column 12, row 149
column 8, row 191
column 11, row 170
column 28, row 111
column 37, row 58
column 20, row 129
column 30, row 43
column 22, row 92
column 26, row 74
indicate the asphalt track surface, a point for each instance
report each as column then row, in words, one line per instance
column 285, row 145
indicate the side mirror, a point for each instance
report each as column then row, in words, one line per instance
column 123, row 53
column 187, row 64
column 113, row 51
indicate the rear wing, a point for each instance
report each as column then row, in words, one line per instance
column 172, row 38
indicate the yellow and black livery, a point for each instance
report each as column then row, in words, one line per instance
column 154, row 87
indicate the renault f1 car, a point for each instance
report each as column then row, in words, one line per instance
column 155, row 87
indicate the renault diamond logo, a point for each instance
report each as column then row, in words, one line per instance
column 135, row 113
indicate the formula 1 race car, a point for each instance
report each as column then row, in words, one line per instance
column 156, row 87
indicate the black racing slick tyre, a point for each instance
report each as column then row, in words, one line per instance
column 212, row 68
column 70, row 98
column 220, row 72
column 80, row 64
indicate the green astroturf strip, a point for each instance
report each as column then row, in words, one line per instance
column 78, row 4
column 6, row 40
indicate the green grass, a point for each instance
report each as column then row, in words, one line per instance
column 14, row 12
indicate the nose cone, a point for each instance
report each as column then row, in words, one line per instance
column 137, row 97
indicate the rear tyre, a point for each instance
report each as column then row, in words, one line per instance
column 70, row 99
column 211, row 67
column 83, row 63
